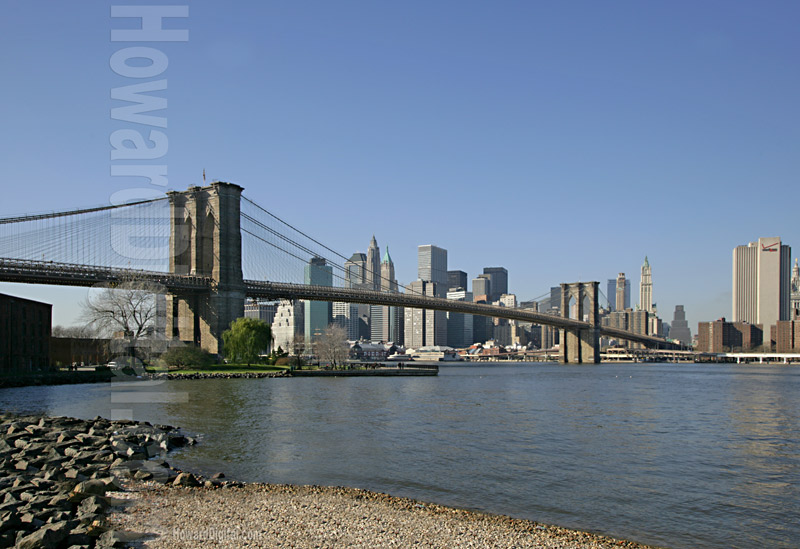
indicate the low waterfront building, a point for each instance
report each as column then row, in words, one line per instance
column 721, row 336
column 368, row 351
column 66, row 351
column 24, row 334
column 787, row 336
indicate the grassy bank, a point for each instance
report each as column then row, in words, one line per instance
column 227, row 369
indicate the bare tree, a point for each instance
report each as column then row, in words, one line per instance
column 332, row 345
column 127, row 314
column 296, row 348
column 129, row 308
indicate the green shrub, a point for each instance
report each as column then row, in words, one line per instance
column 187, row 356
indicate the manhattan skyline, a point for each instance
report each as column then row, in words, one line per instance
column 564, row 143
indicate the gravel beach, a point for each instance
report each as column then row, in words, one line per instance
column 77, row 483
column 257, row 515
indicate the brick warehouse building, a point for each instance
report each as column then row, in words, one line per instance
column 24, row 334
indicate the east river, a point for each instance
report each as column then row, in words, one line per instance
column 673, row 455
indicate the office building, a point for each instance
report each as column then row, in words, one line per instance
column 456, row 279
column 646, row 288
column 425, row 327
column 638, row 322
column 482, row 286
column 355, row 271
column 24, row 334
column 459, row 325
column 555, row 300
column 288, row 323
column 794, row 306
column 346, row 315
column 508, row 300
column 619, row 293
column 261, row 310
column 318, row 313
column 498, row 277
column 432, row 267
column 761, row 282
column 385, row 320
column 680, row 327
column 373, row 275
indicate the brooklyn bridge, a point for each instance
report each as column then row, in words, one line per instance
column 210, row 248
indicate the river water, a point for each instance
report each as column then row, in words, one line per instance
column 672, row 455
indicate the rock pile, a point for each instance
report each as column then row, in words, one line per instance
column 57, row 476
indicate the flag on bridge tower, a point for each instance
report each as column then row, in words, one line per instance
column 204, row 175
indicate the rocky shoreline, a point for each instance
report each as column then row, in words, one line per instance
column 59, row 475
column 76, row 483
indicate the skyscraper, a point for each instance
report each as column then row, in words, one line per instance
column 646, row 288
column 680, row 328
column 373, row 275
column 355, row 270
column 499, row 281
column 385, row 325
column 761, row 282
column 795, row 299
column 424, row 327
column 482, row 286
column 432, row 267
column 620, row 287
column 456, row 279
column 318, row 313
column 459, row 325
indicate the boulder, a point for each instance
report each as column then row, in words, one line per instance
column 87, row 489
column 186, row 479
column 46, row 537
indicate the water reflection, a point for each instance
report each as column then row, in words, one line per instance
column 678, row 455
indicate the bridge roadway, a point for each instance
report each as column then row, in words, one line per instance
column 275, row 290
column 66, row 274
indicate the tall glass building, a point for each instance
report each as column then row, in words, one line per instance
column 318, row 313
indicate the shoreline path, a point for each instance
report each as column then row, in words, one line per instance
column 265, row 515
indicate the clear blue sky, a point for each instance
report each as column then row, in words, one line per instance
column 562, row 140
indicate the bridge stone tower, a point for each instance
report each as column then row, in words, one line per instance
column 581, row 346
column 205, row 240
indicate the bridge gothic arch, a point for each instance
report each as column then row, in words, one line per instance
column 581, row 345
column 205, row 240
